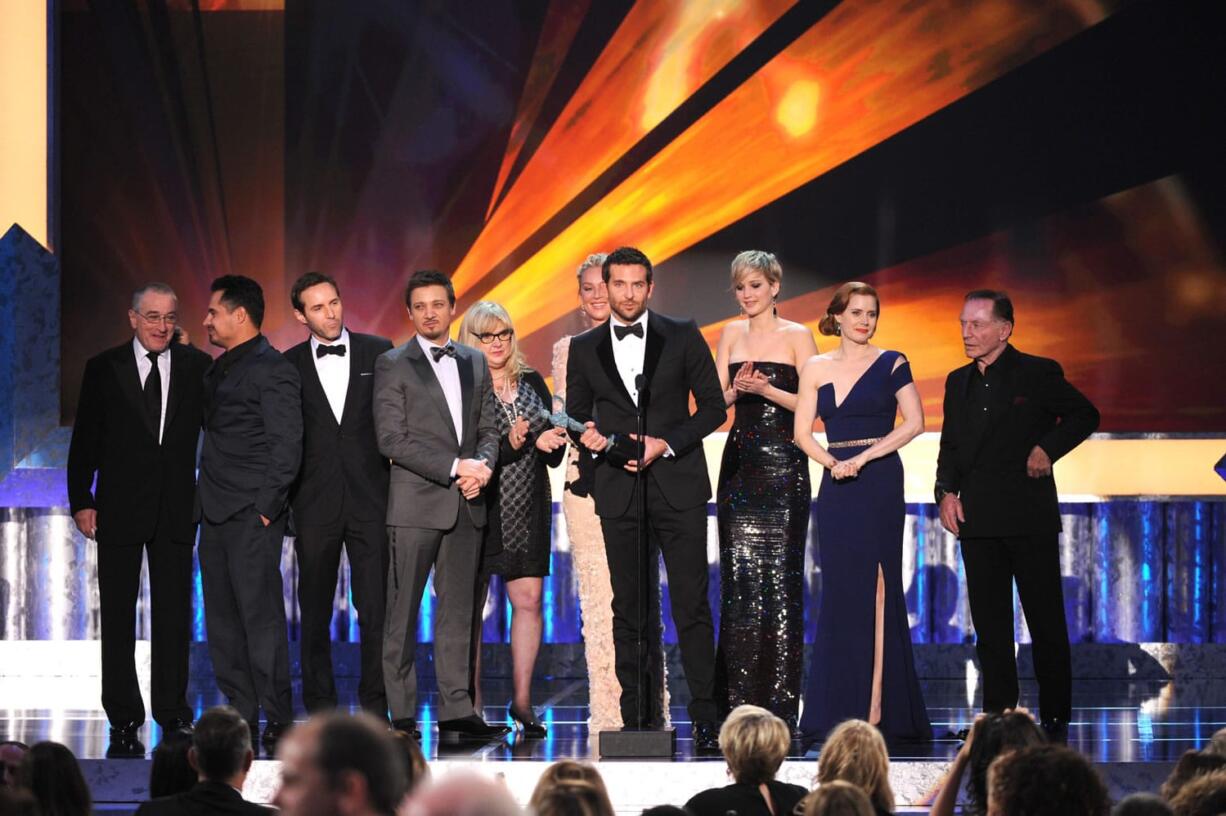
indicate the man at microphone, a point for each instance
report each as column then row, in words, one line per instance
column 643, row 361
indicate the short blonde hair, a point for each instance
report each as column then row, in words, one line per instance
column 592, row 261
column 486, row 316
column 568, row 773
column 836, row 798
column 754, row 742
column 855, row 752
column 755, row 260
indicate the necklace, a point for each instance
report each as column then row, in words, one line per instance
column 507, row 405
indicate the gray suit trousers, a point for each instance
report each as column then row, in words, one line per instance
column 454, row 555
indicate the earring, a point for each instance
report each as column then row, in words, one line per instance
column 838, row 330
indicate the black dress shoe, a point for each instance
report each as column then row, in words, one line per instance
column 529, row 725
column 124, row 743
column 706, row 737
column 273, row 731
column 171, row 726
column 1056, row 729
column 471, row 728
column 408, row 725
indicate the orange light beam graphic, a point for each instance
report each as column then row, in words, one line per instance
column 865, row 72
column 660, row 55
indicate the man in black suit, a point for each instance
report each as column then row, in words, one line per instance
column 221, row 754
column 1008, row 417
column 340, row 497
column 137, row 426
column 252, row 449
column 644, row 359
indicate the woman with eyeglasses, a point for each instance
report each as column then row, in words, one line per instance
column 517, row 535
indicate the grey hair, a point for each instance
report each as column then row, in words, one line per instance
column 595, row 259
column 756, row 260
column 155, row 287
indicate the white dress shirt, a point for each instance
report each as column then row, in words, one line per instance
column 333, row 371
column 449, row 378
column 143, row 367
column 629, row 352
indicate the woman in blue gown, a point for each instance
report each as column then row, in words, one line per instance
column 862, row 665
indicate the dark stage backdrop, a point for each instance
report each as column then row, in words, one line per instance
column 1067, row 151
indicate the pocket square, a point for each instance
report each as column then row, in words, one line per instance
column 366, row 373
column 1020, row 400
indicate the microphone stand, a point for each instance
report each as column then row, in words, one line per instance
column 644, row 740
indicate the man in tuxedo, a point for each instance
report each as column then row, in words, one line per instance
column 1008, row 417
column 252, row 448
column 641, row 360
column 340, row 497
column 221, row 755
column 434, row 416
column 137, row 426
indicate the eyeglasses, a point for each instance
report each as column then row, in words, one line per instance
column 503, row 336
column 153, row 318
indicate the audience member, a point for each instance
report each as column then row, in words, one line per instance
column 837, row 798
column 1203, row 796
column 339, row 763
column 416, row 771
column 574, row 797
column 1218, row 744
column 989, row 737
column 221, row 755
column 1191, row 765
column 11, row 753
column 754, row 742
column 1141, row 804
column 463, row 794
column 855, row 752
column 1049, row 779
column 15, row 801
column 564, row 771
column 171, row 771
column 51, row 773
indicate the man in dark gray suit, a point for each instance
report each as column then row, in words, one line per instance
column 252, row 449
column 434, row 417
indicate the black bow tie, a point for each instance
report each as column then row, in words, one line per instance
column 438, row 352
column 621, row 331
column 322, row 351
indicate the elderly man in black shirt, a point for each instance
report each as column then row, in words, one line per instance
column 1008, row 417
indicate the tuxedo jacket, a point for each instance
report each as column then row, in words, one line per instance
column 113, row 438
column 252, row 434
column 416, row 433
column 676, row 363
column 341, row 463
column 204, row 799
column 1036, row 406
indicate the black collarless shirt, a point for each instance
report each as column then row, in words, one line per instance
column 980, row 388
column 227, row 361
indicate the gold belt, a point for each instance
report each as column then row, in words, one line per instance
column 855, row 443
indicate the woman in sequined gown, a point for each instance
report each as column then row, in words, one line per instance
column 516, row 544
column 763, row 499
column 583, row 530
column 862, row 665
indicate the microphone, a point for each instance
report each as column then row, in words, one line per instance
column 640, row 383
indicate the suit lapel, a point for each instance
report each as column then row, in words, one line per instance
column 604, row 352
column 416, row 357
column 470, row 411
column 354, row 368
column 175, row 395
column 654, row 348
column 129, row 383
column 314, row 386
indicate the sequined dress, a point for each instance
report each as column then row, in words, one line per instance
column 762, row 506
column 859, row 528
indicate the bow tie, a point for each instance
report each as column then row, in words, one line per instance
column 322, row 351
column 621, row 331
column 438, row 352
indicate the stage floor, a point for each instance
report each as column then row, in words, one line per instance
column 1134, row 730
